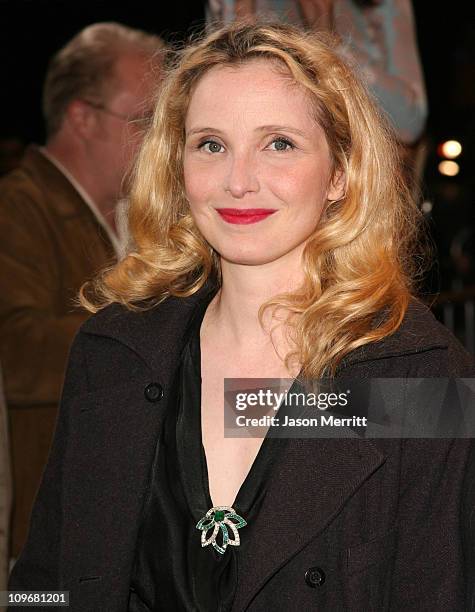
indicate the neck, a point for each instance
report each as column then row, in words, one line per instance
column 75, row 160
column 234, row 312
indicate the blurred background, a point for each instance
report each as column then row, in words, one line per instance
column 31, row 30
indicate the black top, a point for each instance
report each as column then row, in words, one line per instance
column 189, row 576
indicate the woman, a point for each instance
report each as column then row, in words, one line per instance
column 272, row 237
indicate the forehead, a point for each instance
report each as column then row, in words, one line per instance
column 257, row 88
column 132, row 75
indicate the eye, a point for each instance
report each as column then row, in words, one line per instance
column 211, row 146
column 281, row 144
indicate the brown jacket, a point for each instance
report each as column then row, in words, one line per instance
column 50, row 243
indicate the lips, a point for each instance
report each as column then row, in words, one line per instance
column 245, row 216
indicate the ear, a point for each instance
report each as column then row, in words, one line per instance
column 337, row 187
column 82, row 118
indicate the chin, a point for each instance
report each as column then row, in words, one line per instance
column 252, row 257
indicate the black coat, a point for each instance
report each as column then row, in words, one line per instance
column 348, row 524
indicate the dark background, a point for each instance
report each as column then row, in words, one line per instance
column 31, row 30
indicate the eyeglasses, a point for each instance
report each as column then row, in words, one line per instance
column 143, row 121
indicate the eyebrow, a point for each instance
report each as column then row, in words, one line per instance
column 203, row 130
column 282, row 128
column 262, row 128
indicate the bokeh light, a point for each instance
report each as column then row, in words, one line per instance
column 450, row 149
column 449, row 168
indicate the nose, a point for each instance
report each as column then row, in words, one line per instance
column 241, row 177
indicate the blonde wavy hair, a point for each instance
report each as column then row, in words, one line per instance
column 359, row 264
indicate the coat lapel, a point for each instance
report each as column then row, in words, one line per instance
column 312, row 481
column 157, row 335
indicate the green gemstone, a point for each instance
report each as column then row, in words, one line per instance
column 219, row 515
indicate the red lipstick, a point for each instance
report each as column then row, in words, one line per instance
column 245, row 216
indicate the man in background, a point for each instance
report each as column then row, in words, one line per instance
column 57, row 227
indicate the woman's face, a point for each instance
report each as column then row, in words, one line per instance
column 257, row 165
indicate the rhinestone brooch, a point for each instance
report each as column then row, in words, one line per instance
column 224, row 520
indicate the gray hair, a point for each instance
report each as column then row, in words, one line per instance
column 84, row 67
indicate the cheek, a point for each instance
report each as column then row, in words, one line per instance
column 200, row 183
column 193, row 190
column 189, row 179
column 299, row 185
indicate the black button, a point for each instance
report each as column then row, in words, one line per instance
column 153, row 392
column 314, row 577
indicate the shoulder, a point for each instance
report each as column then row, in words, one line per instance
column 28, row 191
column 174, row 312
column 19, row 184
column 152, row 337
column 421, row 348
column 136, row 324
column 38, row 187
